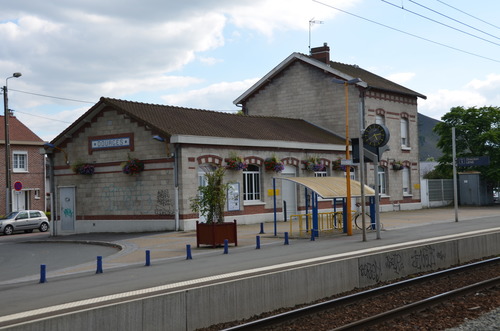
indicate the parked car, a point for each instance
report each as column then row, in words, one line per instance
column 24, row 220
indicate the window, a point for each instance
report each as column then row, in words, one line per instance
column 251, row 183
column 406, row 181
column 35, row 214
column 405, row 141
column 20, row 162
column 380, row 119
column 382, row 182
column 321, row 173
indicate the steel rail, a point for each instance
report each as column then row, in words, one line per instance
column 349, row 299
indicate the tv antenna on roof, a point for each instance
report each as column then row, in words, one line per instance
column 312, row 21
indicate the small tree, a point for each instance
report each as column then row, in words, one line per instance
column 211, row 198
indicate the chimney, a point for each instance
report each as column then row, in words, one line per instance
column 321, row 53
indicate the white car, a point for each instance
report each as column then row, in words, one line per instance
column 24, row 220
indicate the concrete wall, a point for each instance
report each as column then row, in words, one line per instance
column 242, row 298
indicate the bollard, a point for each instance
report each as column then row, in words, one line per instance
column 257, row 240
column 148, row 258
column 286, row 238
column 226, row 242
column 261, row 228
column 188, row 252
column 43, row 277
column 99, row 265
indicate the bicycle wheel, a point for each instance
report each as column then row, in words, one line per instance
column 368, row 221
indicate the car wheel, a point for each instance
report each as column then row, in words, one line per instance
column 44, row 227
column 8, row 230
column 28, row 231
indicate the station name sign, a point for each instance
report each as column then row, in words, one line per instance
column 473, row 161
column 118, row 141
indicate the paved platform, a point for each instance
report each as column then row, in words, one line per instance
column 168, row 245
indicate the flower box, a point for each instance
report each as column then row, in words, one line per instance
column 273, row 164
column 214, row 234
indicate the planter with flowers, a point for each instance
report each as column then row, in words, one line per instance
column 314, row 164
column 397, row 165
column 81, row 168
column 235, row 162
column 337, row 165
column 132, row 166
column 274, row 164
column 210, row 203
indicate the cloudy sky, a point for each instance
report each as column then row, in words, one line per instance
column 206, row 53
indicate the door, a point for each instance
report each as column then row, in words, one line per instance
column 19, row 200
column 289, row 191
column 67, row 211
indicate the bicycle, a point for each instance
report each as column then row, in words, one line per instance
column 358, row 219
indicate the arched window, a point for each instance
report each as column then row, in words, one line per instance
column 382, row 180
column 251, row 183
column 406, row 181
column 405, row 130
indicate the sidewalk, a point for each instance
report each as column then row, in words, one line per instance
column 169, row 245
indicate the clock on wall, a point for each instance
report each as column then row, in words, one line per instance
column 376, row 135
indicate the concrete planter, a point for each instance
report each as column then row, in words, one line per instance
column 214, row 234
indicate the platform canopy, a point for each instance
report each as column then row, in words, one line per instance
column 331, row 187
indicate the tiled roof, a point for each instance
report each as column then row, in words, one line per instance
column 371, row 79
column 171, row 120
column 18, row 131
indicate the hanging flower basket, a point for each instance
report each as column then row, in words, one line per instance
column 314, row 164
column 83, row 169
column 132, row 167
column 235, row 162
column 337, row 165
column 397, row 166
column 273, row 164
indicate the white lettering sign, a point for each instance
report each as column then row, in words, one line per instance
column 110, row 143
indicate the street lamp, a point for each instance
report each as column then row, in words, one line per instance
column 347, row 156
column 8, row 170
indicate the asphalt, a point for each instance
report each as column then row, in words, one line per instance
column 173, row 245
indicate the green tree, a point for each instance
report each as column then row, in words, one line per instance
column 211, row 198
column 477, row 133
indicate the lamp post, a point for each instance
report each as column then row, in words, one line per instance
column 8, row 170
column 347, row 156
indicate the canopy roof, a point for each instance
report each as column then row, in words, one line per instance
column 331, row 187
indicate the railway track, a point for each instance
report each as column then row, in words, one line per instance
column 388, row 303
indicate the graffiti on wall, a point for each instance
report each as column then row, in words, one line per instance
column 421, row 258
column 134, row 199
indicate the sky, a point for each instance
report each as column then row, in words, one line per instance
column 206, row 53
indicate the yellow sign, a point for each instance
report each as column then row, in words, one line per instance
column 270, row 192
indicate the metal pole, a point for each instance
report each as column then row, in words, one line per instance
column 454, row 160
column 8, row 199
column 347, row 156
column 362, row 159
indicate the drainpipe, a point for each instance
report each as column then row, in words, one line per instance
column 176, row 185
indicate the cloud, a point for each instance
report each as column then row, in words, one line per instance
column 212, row 96
column 476, row 93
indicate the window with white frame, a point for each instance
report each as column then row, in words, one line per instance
column 251, row 183
column 405, row 141
column 380, row 119
column 382, row 181
column 406, row 181
column 19, row 161
column 321, row 173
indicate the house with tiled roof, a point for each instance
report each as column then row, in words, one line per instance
column 312, row 88
column 128, row 166
column 27, row 189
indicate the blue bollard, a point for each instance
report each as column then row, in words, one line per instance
column 188, row 252
column 43, row 277
column 261, row 228
column 226, row 242
column 148, row 258
column 286, row 238
column 99, row 265
column 257, row 240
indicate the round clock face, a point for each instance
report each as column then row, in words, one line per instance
column 376, row 135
